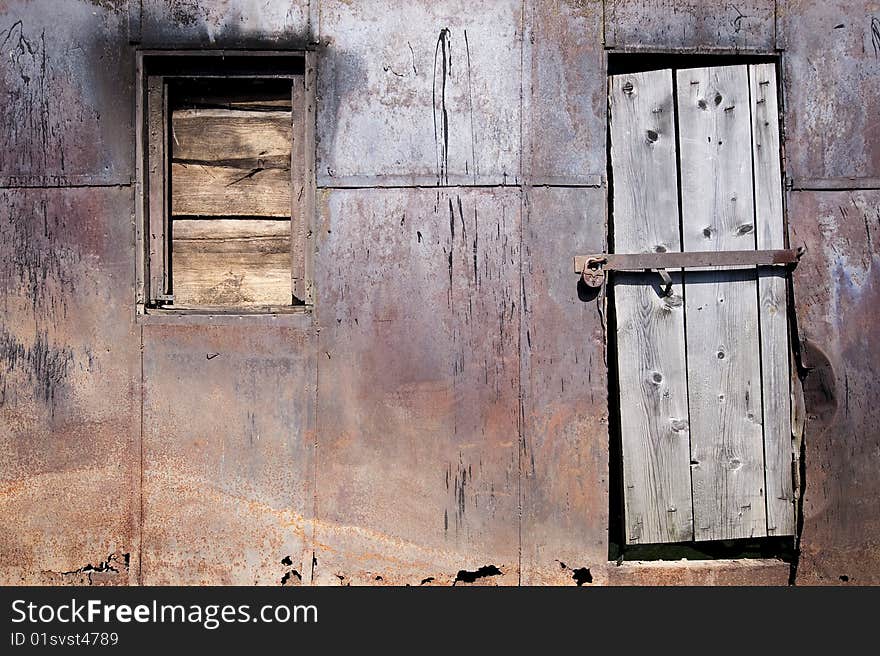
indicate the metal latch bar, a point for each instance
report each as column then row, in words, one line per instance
column 593, row 267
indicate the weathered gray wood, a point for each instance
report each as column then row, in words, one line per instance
column 650, row 327
column 770, row 233
column 232, row 262
column 721, row 312
column 157, row 104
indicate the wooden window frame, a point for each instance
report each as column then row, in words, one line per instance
column 153, row 202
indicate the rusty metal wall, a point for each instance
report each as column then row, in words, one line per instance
column 69, row 356
column 443, row 412
column 833, row 160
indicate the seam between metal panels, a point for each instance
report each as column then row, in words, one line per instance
column 835, row 184
column 109, row 185
column 140, row 571
column 584, row 185
column 519, row 360
column 314, row 527
column 314, row 221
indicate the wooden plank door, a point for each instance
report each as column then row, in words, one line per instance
column 703, row 372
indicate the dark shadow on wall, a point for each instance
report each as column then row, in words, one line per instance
column 625, row 62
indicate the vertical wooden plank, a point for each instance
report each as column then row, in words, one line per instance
column 297, row 190
column 309, row 212
column 773, row 324
column 721, row 310
column 141, row 185
column 650, row 327
column 165, row 241
column 302, row 168
column 157, row 175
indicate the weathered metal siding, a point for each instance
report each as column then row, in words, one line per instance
column 66, row 83
column 444, row 407
column 418, row 381
column 833, row 142
column 695, row 24
column 421, row 94
column 69, row 362
column 832, row 89
column 564, row 431
column 228, row 436
column 838, row 291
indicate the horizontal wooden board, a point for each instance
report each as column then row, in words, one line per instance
column 231, row 262
column 208, row 135
column 231, row 235
column 200, row 190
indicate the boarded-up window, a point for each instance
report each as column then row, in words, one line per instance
column 228, row 181
column 230, row 195
column 704, row 370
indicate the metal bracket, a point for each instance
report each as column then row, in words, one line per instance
column 592, row 268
